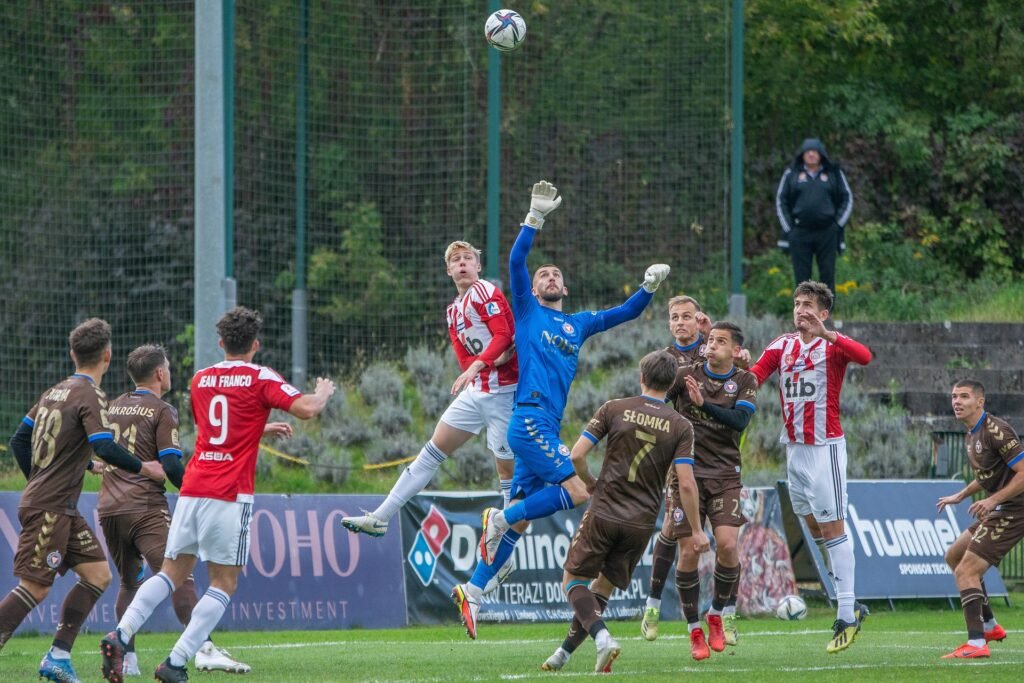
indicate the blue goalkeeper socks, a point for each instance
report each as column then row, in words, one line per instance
column 484, row 572
column 543, row 503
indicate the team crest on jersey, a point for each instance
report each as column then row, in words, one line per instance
column 977, row 446
column 730, row 387
column 802, row 177
column 702, row 350
column 678, row 515
column 824, row 177
column 817, row 355
column 492, row 308
column 563, row 449
column 568, row 328
column 53, row 559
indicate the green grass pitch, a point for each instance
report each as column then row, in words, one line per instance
column 904, row 645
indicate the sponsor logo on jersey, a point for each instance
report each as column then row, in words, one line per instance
column 560, row 343
column 215, row 456
column 428, row 545
column 492, row 308
column 731, row 387
column 800, row 390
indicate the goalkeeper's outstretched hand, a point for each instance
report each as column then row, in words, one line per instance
column 654, row 276
column 543, row 200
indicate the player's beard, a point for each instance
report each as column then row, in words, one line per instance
column 551, row 297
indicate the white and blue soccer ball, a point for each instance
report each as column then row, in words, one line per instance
column 791, row 608
column 505, row 30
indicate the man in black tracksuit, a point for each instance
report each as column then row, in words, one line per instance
column 813, row 203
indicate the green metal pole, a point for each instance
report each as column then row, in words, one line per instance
column 229, row 138
column 737, row 302
column 493, row 155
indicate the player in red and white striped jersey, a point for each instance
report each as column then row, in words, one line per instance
column 481, row 327
column 811, row 364
column 231, row 402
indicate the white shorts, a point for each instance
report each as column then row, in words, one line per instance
column 472, row 410
column 213, row 530
column 817, row 479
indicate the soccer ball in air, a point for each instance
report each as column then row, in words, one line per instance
column 505, row 30
column 791, row 607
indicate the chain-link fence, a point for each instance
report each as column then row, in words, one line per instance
column 620, row 104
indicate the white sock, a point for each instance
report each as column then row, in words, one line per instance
column 474, row 592
column 58, row 653
column 413, row 479
column 840, row 552
column 601, row 639
column 205, row 616
column 654, row 602
column 151, row 593
column 729, row 611
column 991, row 624
column 506, row 492
column 820, row 542
column 690, row 628
column 714, row 612
column 976, row 642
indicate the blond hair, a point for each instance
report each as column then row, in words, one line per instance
column 459, row 245
column 680, row 300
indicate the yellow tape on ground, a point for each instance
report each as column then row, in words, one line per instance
column 291, row 458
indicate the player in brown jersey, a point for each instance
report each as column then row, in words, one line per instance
column 996, row 455
column 689, row 326
column 133, row 509
column 53, row 447
column 646, row 439
column 719, row 400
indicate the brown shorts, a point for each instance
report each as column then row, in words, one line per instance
column 719, row 502
column 994, row 536
column 608, row 548
column 51, row 543
column 134, row 536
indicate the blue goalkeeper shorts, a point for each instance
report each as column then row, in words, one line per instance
column 541, row 457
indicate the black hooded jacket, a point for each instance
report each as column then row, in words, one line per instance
column 812, row 202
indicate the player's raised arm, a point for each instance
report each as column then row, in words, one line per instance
column 543, row 200
column 634, row 305
column 310, row 405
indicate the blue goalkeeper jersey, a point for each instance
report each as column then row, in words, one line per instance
column 548, row 342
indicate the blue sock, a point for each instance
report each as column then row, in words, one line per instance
column 484, row 572
column 544, row 503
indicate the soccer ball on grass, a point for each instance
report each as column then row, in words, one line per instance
column 791, row 607
column 505, row 30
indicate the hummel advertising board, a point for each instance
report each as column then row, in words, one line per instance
column 441, row 535
column 305, row 571
column 898, row 537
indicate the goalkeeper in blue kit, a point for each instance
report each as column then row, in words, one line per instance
column 547, row 343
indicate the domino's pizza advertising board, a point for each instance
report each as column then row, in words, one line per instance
column 441, row 533
column 899, row 539
column 304, row 572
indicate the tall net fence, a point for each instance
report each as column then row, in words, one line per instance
column 623, row 105
column 95, row 183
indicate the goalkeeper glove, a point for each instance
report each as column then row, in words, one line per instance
column 654, row 276
column 543, row 201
